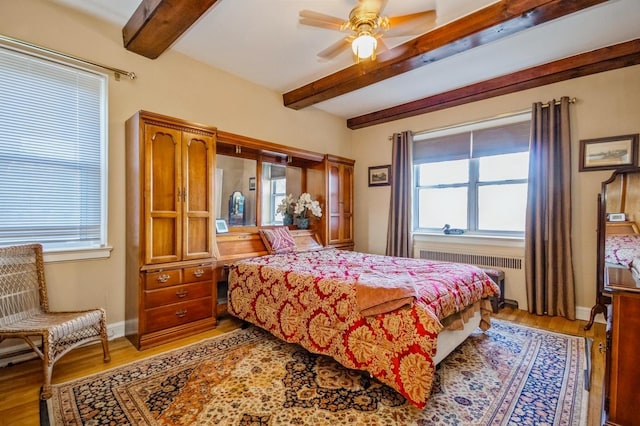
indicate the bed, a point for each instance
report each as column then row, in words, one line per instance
column 315, row 299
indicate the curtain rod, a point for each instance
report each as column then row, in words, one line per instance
column 116, row 72
column 468, row 123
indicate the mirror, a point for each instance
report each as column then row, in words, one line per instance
column 236, row 177
column 618, row 235
column 236, row 209
column 277, row 181
column 621, row 196
column 263, row 173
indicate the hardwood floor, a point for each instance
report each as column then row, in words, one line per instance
column 20, row 383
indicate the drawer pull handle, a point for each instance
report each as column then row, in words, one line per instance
column 181, row 293
column 163, row 278
column 198, row 273
column 181, row 313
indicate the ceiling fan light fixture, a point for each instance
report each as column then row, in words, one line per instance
column 364, row 46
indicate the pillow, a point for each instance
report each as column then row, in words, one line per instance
column 278, row 240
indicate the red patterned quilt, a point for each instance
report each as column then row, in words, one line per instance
column 308, row 298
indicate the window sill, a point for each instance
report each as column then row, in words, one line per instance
column 77, row 254
column 470, row 239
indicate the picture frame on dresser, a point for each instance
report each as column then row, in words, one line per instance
column 221, row 226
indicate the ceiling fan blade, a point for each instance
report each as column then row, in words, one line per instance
column 413, row 24
column 336, row 48
column 321, row 24
column 317, row 16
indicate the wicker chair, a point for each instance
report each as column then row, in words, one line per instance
column 24, row 312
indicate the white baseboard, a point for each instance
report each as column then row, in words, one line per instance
column 20, row 351
column 115, row 330
column 584, row 313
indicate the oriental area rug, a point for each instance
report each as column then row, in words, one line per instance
column 508, row 375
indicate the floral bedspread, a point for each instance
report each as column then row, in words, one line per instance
column 622, row 249
column 308, row 298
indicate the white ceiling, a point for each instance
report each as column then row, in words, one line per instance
column 262, row 41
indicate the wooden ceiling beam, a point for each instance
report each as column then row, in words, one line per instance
column 156, row 24
column 604, row 59
column 496, row 21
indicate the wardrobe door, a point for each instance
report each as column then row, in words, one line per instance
column 162, row 194
column 197, row 166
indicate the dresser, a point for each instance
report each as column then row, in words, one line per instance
column 170, row 286
column 622, row 370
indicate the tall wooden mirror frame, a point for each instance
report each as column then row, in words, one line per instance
column 623, row 198
column 235, row 145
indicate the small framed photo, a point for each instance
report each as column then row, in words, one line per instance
column 221, row 226
column 610, row 153
column 380, row 175
column 252, row 184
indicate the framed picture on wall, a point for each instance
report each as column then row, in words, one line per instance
column 380, row 175
column 610, row 153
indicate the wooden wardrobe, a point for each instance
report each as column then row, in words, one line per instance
column 170, row 230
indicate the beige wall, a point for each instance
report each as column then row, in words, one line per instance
column 607, row 105
column 172, row 85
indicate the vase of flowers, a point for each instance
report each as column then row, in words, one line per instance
column 285, row 208
column 305, row 206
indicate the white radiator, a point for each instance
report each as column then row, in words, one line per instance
column 499, row 262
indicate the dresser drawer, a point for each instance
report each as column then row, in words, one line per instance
column 162, row 278
column 178, row 313
column 198, row 273
column 176, row 294
column 167, row 277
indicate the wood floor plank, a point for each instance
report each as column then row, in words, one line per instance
column 20, row 383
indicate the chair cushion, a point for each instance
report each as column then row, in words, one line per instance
column 59, row 325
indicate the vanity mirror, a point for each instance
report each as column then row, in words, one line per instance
column 263, row 173
column 618, row 234
column 233, row 177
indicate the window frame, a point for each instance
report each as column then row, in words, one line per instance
column 88, row 251
column 473, row 184
column 273, row 200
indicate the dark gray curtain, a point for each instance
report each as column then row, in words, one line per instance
column 549, row 269
column 399, row 238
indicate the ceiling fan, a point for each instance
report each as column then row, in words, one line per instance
column 366, row 26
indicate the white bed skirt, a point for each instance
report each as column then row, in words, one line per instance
column 448, row 340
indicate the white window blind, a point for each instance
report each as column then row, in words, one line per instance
column 52, row 153
column 473, row 177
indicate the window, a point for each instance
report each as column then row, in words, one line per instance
column 473, row 177
column 52, row 153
